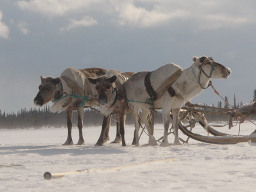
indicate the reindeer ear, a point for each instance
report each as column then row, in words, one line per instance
column 56, row 81
column 93, row 81
column 196, row 60
column 112, row 79
column 42, row 78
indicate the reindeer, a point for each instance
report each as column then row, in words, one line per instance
column 71, row 91
column 112, row 97
column 192, row 81
column 112, row 100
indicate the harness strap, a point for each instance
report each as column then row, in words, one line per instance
column 198, row 79
column 117, row 97
column 152, row 94
column 75, row 96
column 60, row 98
column 171, row 91
column 84, row 98
column 59, row 92
column 213, row 65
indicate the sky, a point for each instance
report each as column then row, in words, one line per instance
column 44, row 37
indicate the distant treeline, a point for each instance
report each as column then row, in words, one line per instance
column 38, row 118
column 35, row 118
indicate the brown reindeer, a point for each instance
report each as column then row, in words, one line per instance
column 112, row 100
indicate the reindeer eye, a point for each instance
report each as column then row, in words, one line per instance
column 108, row 86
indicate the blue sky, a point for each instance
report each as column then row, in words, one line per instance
column 43, row 37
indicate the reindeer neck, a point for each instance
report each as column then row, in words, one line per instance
column 89, row 88
column 59, row 86
column 109, row 107
column 187, row 85
column 200, row 77
column 63, row 85
column 59, row 91
column 113, row 98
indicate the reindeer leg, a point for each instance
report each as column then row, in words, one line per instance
column 166, row 119
column 105, row 125
column 69, row 140
column 118, row 134
column 106, row 135
column 147, row 119
column 122, row 117
column 135, row 115
column 133, row 141
column 80, row 125
column 136, row 132
column 175, row 113
column 152, row 121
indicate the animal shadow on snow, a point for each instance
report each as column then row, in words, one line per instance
column 49, row 150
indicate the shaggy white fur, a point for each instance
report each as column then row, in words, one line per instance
column 187, row 86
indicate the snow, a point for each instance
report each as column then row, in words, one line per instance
column 27, row 154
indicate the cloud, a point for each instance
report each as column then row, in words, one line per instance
column 129, row 14
column 23, row 27
column 214, row 21
column 203, row 15
column 83, row 22
column 54, row 7
column 4, row 29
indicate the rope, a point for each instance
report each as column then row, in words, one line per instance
column 245, row 117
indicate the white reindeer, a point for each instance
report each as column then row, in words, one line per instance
column 191, row 83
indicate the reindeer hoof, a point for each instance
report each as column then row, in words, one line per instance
column 99, row 144
column 177, row 142
column 68, row 142
column 80, row 142
column 165, row 144
column 117, row 140
column 106, row 139
column 152, row 141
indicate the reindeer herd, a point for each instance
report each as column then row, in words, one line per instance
column 113, row 93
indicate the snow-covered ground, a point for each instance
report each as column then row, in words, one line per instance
column 26, row 154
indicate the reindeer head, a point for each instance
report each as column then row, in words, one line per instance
column 47, row 90
column 210, row 68
column 104, row 86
